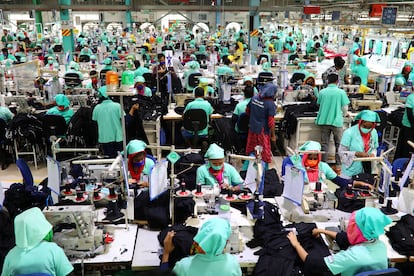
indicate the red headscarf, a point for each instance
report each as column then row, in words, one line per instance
column 365, row 136
column 312, row 172
column 135, row 173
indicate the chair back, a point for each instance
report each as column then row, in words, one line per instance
column 84, row 58
column 399, row 163
column 243, row 122
column 195, row 120
column 264, row 77
column 57, row 48
column 150, row 81
column 72, row 80
column 102, row 76
column 297, row 78
column 194, row 80
column 384, row 272
column 3, row 126
column 262, row 56
column 25, row 171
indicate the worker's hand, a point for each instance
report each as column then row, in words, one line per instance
column 168, row 242
column 143, row 184
column 293, row 239
column 273, row 138
column 316, row 232
column 132, row 181
column 362, row 184
column 134, row 108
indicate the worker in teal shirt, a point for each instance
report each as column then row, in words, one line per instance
column 248, row 81
column 333, row 106
column 62, row 108
column 310, row 82
column 6, row 114
column 139, row 165
column 209, row 256
column 361, row 70
column 208, row 90
column 360, row 140
column 86, row 50
column 225, row 69
column 198, row 103
column 141, row 88
column 35, row 253
column 361, row 248
column 108, row 65
column 74, row 68
column 241, row 106
column 316, row 51
column 218, row 172
column 193, row 67
column 108, row 114
column 407, row 130
column 140, row 70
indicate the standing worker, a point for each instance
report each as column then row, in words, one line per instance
column 108, row 114
column 333, row 105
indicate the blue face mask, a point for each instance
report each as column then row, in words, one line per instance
column 365, row 130
column 140, row 87
column 216, row 168
column 138, row 164
column 162, row 62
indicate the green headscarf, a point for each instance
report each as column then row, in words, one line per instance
column 213, row 235
column 371, row 222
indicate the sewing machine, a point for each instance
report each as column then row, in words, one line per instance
column 368, row 100
column 78, row 236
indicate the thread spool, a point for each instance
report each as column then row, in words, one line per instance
column 79, row 195
column 245, row 193
column 183, row 187
column 229, row 193
column 82, row 186
column 198, row 188
column 112, row 193
column 67, row 189
column 318, row 186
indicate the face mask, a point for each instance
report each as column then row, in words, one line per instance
column 216, row 168
column 61, row 107
column 94, row 81
column 162, row 62
column 139, row 164
column 140, row 87
column 365, row 130
column 50, row 61
column 312, row 163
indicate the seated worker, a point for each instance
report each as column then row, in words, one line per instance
column 360, row 140
column 7, row 56
column 248, row 81
column 316, row 51
column 198, row 103
column 216, row 171
column 361, row 248
column 225, row 69
column 35, row 253
column 399, row 83
column 301, row 69
column 108, row 65
column 141, row 88
column 94, row 62
column 193, row 69
column 266, row 67
column 310, row 82
column 208, row 90
column 94, row 80
column 62, row 108
column 140, row 70
column 241, row 106
column 316, row 170
column 138, row 163
column 361, row 70
column 208, row 256
column 75, row 69
column 51, row 64
column 406, row 73
column 85, row 50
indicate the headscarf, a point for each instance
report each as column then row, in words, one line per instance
column 268, row 91
column 133, row 148
column 312, row 172
column 211, row 239
column 366, row 224
column 30, row 228
column 369, row 116
column 62, row 100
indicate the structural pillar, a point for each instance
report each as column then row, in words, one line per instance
column 254, row 22
column 38, row 20
column 67, row 29
column 128, row 15
column 218, row 13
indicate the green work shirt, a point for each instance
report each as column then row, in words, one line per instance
column 5, row 114
column 204, row 177
column 66, row 114
column 352, row 139
column 200, row 103
column 358, row 258
column 361, row 71
column 239, row 109
column 108, row 117
column 206, row 265
column 331, row 100
column 409, row 102
column 140, row 71
column 324, row 169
